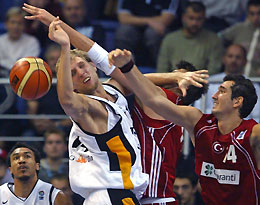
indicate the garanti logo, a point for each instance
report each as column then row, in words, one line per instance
column 223, row 176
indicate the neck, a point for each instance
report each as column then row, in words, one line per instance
column 24, row 188
column 100, row 92
column 187, row 34
column 190, row 202
column 228, row 124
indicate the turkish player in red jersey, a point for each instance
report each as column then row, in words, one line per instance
column 161, row 142
column 227, row 147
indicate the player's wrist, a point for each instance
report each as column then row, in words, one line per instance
column 127, row 67
column 99, row 57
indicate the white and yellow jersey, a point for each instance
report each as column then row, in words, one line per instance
column 42, row 194
column 107, row 161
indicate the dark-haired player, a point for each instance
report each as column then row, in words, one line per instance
column 227, row 147
column 161, row 141
column 27, row 189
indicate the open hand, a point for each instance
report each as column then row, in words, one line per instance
column 195, row 78
column 38, row 14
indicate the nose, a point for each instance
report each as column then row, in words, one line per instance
column 214, row 97
column 21, row 160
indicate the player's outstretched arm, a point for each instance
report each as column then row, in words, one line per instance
column 77, row 39
column 151, row 95
column 255, row 143
column 96, row 53
column 70, row 101
column 62, row 199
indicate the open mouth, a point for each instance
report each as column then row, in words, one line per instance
column 86, row 80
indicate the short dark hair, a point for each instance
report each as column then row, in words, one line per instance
column 196, row 6
column 190, row 175
column 253, row 3
column 193, row 92
column 55, row 131
column 245, row 88
column 36, row 153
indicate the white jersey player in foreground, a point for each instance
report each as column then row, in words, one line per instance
column 27, row 189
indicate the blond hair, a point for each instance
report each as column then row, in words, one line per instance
column 73, row 54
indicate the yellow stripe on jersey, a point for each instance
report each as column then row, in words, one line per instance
column 128, row 201
column 35, row 64
column 124, row 157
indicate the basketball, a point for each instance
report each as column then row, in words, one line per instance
column 30, row 78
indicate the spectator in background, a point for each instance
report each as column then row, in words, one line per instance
column 242, row 33
column 61, row 181
column 192, row 43
column 15, row 44
column 220, row 14
column 143, row 24
column 37, row 29
column 5, row 175
column 186, row 188
column 54, row 148
column 49, row 103
column 51, row 56
column 74, row 12
column 234, row 62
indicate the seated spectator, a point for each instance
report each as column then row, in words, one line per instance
column 243, row 33
column 49, row 103
column 234, row 62
column 37, row 29
column 142, row 27
column 16, row 44
column 51, row 56
column 186, row 188
column 5, row 175
column 54, row 148
column 61, row 181
column 192, row 43
column 74, row 13
column 220, row 15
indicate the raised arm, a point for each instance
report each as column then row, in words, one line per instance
column 151, row 95
column 70, row 101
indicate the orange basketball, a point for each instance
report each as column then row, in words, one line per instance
column 30, row 78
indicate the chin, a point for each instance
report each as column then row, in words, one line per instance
column 24, row 178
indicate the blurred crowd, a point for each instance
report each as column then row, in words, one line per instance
column 215, row 35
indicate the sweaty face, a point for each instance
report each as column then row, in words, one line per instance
column 84, row 76
column 193, row 21
column 254, row 15
column 222, row 99
column 15, row 26
column 23, row 165
column 234, row 60
column 183, row 187
column 54, row 146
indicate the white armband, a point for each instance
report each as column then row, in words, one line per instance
column 99, row 56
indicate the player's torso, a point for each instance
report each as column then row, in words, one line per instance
column 161, row 144
column 40, row 195
column 225, row 163
column 109, row 160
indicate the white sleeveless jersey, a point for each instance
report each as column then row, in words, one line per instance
column 42, row 194
column 109, row 160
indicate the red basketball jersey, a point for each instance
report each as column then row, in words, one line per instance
column 161, row 144
column 225, row 164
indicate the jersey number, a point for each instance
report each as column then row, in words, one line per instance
column 231, row 154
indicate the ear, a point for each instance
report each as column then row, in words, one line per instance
column 238, row 102
column 37, row 166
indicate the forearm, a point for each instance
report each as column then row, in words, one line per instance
column 162, row 79
column 64, row 79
